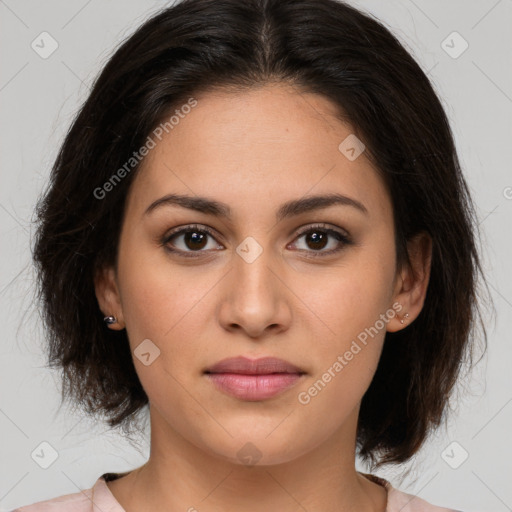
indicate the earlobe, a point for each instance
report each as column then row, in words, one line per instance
column 413, row 281
column 399, row 321
column 109, row 301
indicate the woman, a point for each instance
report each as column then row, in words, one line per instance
column 257, row 227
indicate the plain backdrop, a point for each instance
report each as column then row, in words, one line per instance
column 38, row 99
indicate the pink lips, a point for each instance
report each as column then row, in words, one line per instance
column 253, row 379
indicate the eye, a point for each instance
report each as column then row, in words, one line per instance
column 194, row 239
column 317, row 238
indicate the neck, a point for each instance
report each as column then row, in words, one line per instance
column 181, row 476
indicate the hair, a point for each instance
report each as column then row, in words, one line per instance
column 321, row 46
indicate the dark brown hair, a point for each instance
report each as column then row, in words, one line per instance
column 321, row 46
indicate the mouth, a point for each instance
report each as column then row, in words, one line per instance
column 254, row 379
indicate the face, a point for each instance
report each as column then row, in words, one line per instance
column 194, row 286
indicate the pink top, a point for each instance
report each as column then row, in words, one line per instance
column 100, row 499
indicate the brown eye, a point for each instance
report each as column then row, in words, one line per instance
column 195, row 240
column 317, row 238
column 188, row 240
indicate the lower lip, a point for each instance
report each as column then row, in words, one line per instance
column 253, row 387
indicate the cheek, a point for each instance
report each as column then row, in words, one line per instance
column 347, row 299
column 352, row 307
column 159, row 296
column 346, row 354
column 160, row 303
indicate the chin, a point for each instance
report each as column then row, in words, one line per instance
column 259, row 447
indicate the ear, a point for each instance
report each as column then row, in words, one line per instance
column 412, row 282
column 107, row 293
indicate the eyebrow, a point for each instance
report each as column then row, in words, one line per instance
column 286, row 210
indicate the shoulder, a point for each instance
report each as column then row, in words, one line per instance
column 404, row 502
column 99, row 495
column 76, row 502
column 399, row 501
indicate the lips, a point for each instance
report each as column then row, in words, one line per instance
column 262, row 366
column 253, row 379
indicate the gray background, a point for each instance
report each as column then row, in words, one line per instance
column 38, row 98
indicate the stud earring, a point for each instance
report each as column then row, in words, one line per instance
column 402, row 321
column 110, row 320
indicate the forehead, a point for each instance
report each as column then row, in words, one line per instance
column 251, row 147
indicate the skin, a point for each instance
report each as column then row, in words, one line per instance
column 254, row 150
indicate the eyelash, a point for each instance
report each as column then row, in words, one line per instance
column 344, row 239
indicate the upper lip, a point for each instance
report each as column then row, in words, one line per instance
column 246, row 366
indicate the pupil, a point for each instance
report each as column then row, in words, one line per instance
column 317, row 238
column 197, row 240
column 193, row 237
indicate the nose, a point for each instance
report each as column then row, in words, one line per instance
column 255, row 298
